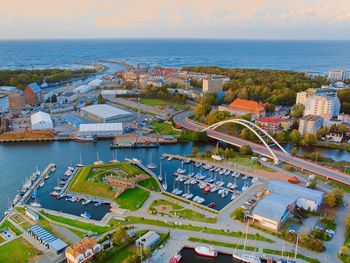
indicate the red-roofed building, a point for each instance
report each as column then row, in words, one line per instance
column 273, row 124
column 241, row 107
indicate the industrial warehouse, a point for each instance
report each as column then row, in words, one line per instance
column 273, row 210
column 105, row 113
column 41, row 121
column 100, row 130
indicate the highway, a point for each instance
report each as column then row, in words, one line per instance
column 182, row 120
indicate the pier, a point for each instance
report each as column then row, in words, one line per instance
column 36, row 183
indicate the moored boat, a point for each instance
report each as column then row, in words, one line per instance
column 206, row 251
column 176, row 258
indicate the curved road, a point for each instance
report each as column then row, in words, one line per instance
column 182, row 120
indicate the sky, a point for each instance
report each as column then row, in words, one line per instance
column 231, row 19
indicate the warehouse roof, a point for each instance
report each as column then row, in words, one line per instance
column 296, row 191
column 40, row 117
column 273, row 206
column 34, row 87
column 48, row 239
column 100, row 127
column 104, row 111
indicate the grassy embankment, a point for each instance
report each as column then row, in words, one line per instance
column 17, row 251
column 174, row 209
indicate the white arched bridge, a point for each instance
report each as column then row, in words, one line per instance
column 261, row 134
column 269, row 147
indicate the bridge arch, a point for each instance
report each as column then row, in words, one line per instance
column 258, row 131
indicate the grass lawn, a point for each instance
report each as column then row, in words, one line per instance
column 290, row 254
column 165, row 128
column 89, row 178
column 132, row 199
column 136, row 220
column 154, row 102
column 150, row 184
column 70, row 222
column 222, row 244
column 122, row 255
column 17, row 251
column 7, row 225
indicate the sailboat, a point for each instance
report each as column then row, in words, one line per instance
column 58, row 187
column 98, row 161
column 164, row 184
column 246, row 258
column 160, row 178
column 114, row 158
column 81, row 163
column 35, row 203
column 151, row 165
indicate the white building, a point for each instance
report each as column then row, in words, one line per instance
column 105, row 113
column 67, row 97
column 338, row 75
column 320, row 102
column 83, row 89
column 100, row 129
column 310, row 124
column 212, row 85
column 41, row 121
column 149, row 240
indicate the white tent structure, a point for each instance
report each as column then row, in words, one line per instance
column 41, row 121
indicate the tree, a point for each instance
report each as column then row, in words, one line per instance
column 330, row 200
column 313, row 183
column 281, row 136
column 195, row 151
column 308, row 139
column 347, row 225
column 334, row 198
column 120, row 237
column 294, row 151
column 201, row 110
column 297, row 110
column 344, row 250
column 238, row 214
column 101, row 99
column 295, row 136
column 245, row 150
column 269, row 107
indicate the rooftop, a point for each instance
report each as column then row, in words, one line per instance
column 273, row 206
column 272, row 119
column 40, row 117
column 105, row 111
column 295, row 191
column 100, row 127
column 311, row 118
column 34, row 87
column 247, row 105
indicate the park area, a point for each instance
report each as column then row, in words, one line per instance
column 89, row 179
column 19, row 247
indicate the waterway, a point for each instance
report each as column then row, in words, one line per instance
column 188, row 255
column 19, row 160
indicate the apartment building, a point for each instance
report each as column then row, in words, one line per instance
column 338, row 75
column 310, row 124
column 212, row 85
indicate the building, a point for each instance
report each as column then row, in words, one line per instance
column 241, row 107
column 47, row 239
column 82, row 252
column 344, row 118
column 212, row 85
column 338, row 75
column 273, row 210
column 41, row 121
column 16, row 100
column 32, row 215
column 273, row 124
column 150, row 239
column 4, row 103
column 101, row 129
column 310, row 124
column 320, row 102
column 67, row 97
column 32, row 94
column 83, row 89
column 306, row 198
column 336, row 137
column 105, row 113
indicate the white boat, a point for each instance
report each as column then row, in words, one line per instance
column 189, row 196
column 35, row 204
column 206, row 251
column 97, row 204
column 255, row 179
column 227, row 173
column 200, row 200
column 246, row 258
column 85, row 202
column 179, row 192
column 170, row 158
column 181, row 171
column 224, row 194
column 174, row 190
column 98, row 161
column 86, row 215
column 187, row 161
column 42, row 184
column 214, row 189
column 81, row 163
column 229, row 185
column 233, row 196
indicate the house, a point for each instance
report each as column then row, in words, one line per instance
column 32, row 94
column 336, row 137
column 83, row 251
column 150, row 239
column 241, row 107
column 273, row 124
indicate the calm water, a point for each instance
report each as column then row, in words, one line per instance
column 18, row 161
column 316, row 56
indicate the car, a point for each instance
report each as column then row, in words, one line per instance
column 133, row 234
column 330, row 232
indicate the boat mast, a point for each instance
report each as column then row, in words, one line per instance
column 296, row 248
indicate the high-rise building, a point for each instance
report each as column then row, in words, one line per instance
column 310, row 124
column 320, row 102
column 212, row 85
column 338, row 75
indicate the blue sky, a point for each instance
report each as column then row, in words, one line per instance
column 248, row 19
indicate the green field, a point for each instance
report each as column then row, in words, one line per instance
column 132, row 199
column 7, row 225
column 89, row 178
column 154, row 102
column 165, row 128
column 19, row 247
column 222, row 244
column 150, row 184
column 85, row 226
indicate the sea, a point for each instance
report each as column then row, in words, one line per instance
column 314, row 56
column 19, row 160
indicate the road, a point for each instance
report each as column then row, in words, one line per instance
column 182, row 120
